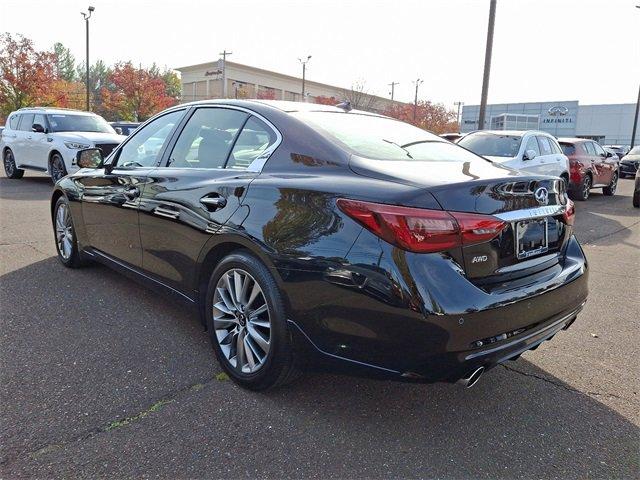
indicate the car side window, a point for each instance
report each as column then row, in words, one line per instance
column 256, row 137
column 26, row 121
column 207, row 138
column 589, row 147
column 545, row 145
column 554, row 146
column 39, row 119
column 145, row 145
column 532, row 144
column 13, row 122
column 599, row 149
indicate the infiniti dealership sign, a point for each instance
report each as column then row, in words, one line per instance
column 558, row 114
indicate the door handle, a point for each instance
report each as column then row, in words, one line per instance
column 213, row 203
column 132, row 193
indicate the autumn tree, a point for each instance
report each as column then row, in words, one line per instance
column 135, row 93
column 434, row 117
column 26, row 75
column 267, row 94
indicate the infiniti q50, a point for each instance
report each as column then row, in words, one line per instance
column 317, row 236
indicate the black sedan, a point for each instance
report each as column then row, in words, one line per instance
column 630, row 163
column 316, row 236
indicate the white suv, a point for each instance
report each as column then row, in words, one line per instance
column 48, row 139
column 528, row 151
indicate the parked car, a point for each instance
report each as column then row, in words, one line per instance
column 47, row 140
column 452, row 137
column 591, row 167
column 315, row 235
column 621, row 150
column 636, row 191
column 124, row 128
column 630, row 163
column 530, row 151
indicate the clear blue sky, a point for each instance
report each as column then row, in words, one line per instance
column 586, row 50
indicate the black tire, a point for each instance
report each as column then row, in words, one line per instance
column 584, row 189
column 57, row 167
column 610, row 190
column 636, row 198
column 73, row 258
column 279, row 366
column 10, row 168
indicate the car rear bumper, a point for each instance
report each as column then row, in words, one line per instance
column 423, row 322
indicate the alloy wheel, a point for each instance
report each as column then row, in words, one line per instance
column 614, row 183
column 586, row 187
column 9, row 163
column 57, row 168
column 241, row 320
column 64, row 231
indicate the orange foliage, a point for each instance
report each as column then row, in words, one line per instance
column 429, row 116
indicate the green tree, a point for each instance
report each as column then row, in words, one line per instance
column 65, row 63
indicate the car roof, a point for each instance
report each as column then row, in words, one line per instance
column 48, row 110
column 574, row 140
column 282, row 105
column 515, row 133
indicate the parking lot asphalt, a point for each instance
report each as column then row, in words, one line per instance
column 102, row 378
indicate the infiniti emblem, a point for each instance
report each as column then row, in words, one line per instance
column 542, row 195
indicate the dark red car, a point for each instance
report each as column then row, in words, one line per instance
column 590, row 166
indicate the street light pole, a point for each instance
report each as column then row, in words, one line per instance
column 418, row 82
column 458, row 104
column 393, row 89
column 86, row 17
column 304, row 73
column 635, row 119
column 224, row 54
column 487, row 64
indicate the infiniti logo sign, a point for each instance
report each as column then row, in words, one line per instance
column 542, row 195
column 558, row 111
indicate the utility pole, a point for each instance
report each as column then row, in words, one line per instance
column 224, row 54
column 86, row 17
column 635, row 119
column 458, row 104
column 393, row 88
column 487, row 64
column 418, row 82
column 304, row 74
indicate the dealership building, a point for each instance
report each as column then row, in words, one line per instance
column 608, row 124
column 234, row 80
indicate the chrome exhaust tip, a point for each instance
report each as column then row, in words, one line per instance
column 472, row 377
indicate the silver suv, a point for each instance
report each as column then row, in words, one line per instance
column 47, row 140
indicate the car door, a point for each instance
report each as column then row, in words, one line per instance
column 603, row 165
column 39, row 143
column 593, row 162
column 199, row 187
column 530, row 163
column 21, row 151
column 546, row 162
column 111, row 197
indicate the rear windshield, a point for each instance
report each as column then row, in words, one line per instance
column 568, row 149
column 78, row 123
column 381, row 138
column 491, row 144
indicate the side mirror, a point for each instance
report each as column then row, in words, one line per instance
column 529, row 155
column 89, row 158
column 608, row 154
column 118, row 130
column 37, row 128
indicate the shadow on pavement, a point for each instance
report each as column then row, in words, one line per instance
column 26, row 188
column 82, row 348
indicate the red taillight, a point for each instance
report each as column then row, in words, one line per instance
column 569, row 214
column 420, row 230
